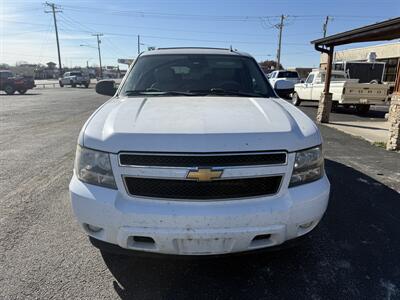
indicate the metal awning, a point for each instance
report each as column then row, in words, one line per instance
column 386, row 30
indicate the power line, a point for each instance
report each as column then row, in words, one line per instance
column 143, row 14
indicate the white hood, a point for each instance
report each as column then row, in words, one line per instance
column 198, row 124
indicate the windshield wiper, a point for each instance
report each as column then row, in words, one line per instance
column 219, row 91
column 155, row 92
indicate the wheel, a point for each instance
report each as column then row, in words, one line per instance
column 9, row 89
column 22, row 91
column 72, row 84
column 362, row 108
column 61, row 84
column 296, row 99
column 335, row 105
column 86, row 85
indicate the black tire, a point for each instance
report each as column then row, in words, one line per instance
column 296, row 101
column 335, row 105
column 72, row 84
column 60, row 83
column 9, row 89
column 22, row 91
column 362, row 109
column 86, row 85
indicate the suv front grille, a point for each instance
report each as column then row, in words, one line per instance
column 202, row 160
column 194, row 190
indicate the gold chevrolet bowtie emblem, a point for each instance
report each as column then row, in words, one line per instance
column 204, row 174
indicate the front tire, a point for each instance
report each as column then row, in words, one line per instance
column 362, row 109
column 60, row 83
column 9, row 89
column 22, row 91
column 296, row 99
column 335, row 105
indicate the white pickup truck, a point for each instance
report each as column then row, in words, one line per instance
column 75, row 78
column 195, row 155
column 283, row 81
column 344, row 91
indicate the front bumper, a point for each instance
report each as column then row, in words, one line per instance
column 284, row 92
column 199, row 228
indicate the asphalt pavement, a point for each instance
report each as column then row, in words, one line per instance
column 352, row 254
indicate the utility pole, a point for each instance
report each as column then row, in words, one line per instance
column 325, row 26
column 138, row 44
column 98, row 48
column 278, row 54
column 55, row 9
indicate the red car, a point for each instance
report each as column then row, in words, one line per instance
column 11, row 83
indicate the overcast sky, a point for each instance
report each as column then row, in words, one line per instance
column 27, row 32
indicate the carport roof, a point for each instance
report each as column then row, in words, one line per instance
column 386, row 30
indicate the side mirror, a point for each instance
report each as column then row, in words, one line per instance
column 106, row 87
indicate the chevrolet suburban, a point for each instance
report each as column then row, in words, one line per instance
column 194, row 154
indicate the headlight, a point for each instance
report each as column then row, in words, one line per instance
column 308, row 166
column 94, row 167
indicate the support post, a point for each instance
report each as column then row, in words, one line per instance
column 325, row 102
column 394, row 115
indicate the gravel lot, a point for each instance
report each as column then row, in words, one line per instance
column 353, row 254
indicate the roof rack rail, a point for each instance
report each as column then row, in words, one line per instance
column 171, row 48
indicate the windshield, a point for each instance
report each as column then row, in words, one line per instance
column 288, row 74
column 191, row 74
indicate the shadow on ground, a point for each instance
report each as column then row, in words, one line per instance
column 341, row 110
column 352, row 254
column 19, row 95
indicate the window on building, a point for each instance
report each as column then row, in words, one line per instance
column 390, row 69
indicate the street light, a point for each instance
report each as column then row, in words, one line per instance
column 98, row 48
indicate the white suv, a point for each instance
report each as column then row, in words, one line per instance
column 194, row 155
column 283, row 82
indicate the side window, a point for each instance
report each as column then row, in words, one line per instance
column 310, row 78
column 5, row 74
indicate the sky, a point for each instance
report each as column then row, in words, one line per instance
column 27, row 31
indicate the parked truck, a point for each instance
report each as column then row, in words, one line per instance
column 11, row 83
column 345, row 91
column 283, row 82
column 75, row 78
